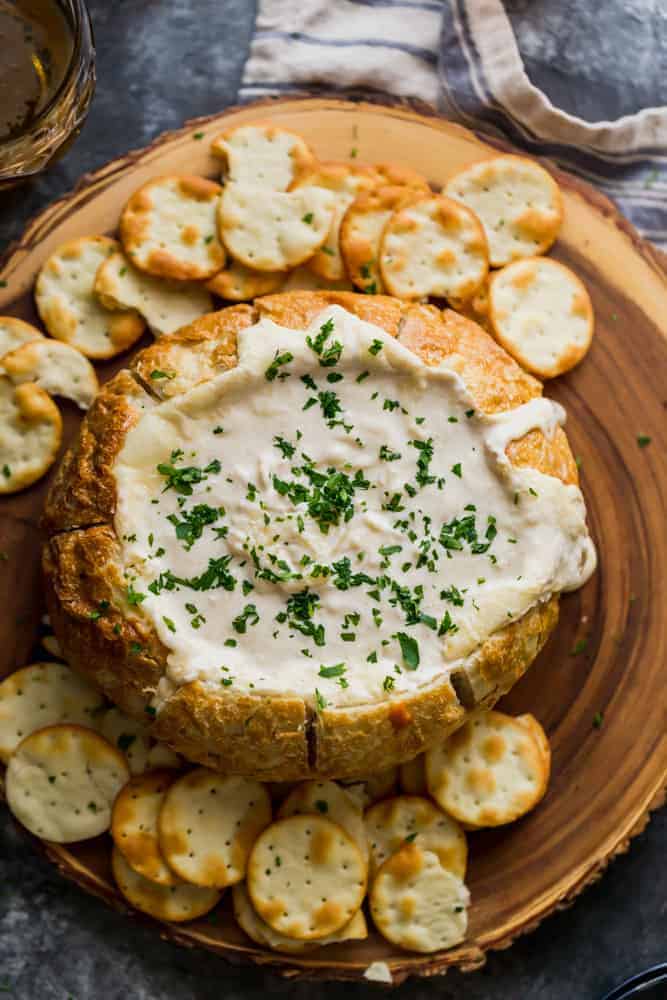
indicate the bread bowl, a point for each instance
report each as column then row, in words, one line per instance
column 114, row 629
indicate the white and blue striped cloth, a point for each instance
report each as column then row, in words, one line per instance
column 461, row 56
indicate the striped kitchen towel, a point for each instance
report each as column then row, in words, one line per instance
column 464, row 57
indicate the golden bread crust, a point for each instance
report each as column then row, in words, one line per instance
column 278, row 737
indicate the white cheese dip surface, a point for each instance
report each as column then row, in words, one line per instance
column 332, row 518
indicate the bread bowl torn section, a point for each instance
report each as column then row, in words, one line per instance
column 330, row 545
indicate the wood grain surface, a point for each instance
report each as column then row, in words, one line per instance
column 606, row 779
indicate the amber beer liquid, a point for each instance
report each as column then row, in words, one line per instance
column 46, row 80
column 36, row 46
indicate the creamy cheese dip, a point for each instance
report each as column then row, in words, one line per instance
column 332, row 518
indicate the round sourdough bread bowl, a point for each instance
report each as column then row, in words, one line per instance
column 106, row 635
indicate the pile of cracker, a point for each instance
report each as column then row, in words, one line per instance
column 280, row 220
column 304, row 863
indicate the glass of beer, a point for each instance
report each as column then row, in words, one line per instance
column 47, row 79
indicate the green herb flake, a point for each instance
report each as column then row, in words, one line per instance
column 375, row 347
column 643, row 440
column 409, row 650
column 308, row 218
column 579, row 647
column 598, row 719
column 273, row 371
column 198, row 135
column 337, row 670
column 156, row 374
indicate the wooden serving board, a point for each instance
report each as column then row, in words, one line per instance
column 605, row 780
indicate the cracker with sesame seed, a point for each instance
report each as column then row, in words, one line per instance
column 491, row 771
column 542, row 315
column 62, row 781
column 433, row 246
column 261, row 933
column 413, row 819
column 306, row 877
column 69, row 308
column 30, row 434
column 14, row 332
column 361, row 233
column 174, row 903
column 168, row 228
column 261, row 153
column 165, row 305
column 417, row 904
column 43, row 694
column 55, row 367
column 238, row 283
column 326, row 798
column 274, row 230
column 345, row 182
column 517, row 201
column 412, row 776
column 134, row 825
column 208, row 825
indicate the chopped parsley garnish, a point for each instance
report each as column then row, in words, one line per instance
column 285, row 447
column 322, row 806
column 320, row 701
column 464, row 529
column 643, row 440
column 598, row 719
column 425, row 449
column 337, row 670
column 133, row 596
column 453, row 595
column 169, row 623
column 409, row 650
column 190, row 526
column 386, row 455
column 308, row 218
column 329, row 356
column 362, row 377
column 579, row 647
column 182, row 479
column 375, row 347
column 273, row 371
column 456, row 469
column 447, row 625
column 248, row 616
column 388, row 683
column 157, row 374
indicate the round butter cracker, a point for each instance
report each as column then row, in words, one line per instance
column 517, row 201
column 413, row 819
column 168, row 228
column 69, row 308
column 416, row 904
column 345, row 182
column 263, row 154
column 208, row 825
column 491, row 771
column 306, row 877
column 30, row 434
column 165, row 305
column 434, row 246
column 238, row 283
column 541, row 314
column 265, row 936
column 55, row 367
column 361, row 232
column 62, row 781
column 174, row 903
column 43, row 694
column 134, row 825
column 326, row 798
column 14, row 332
column 274, row 230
